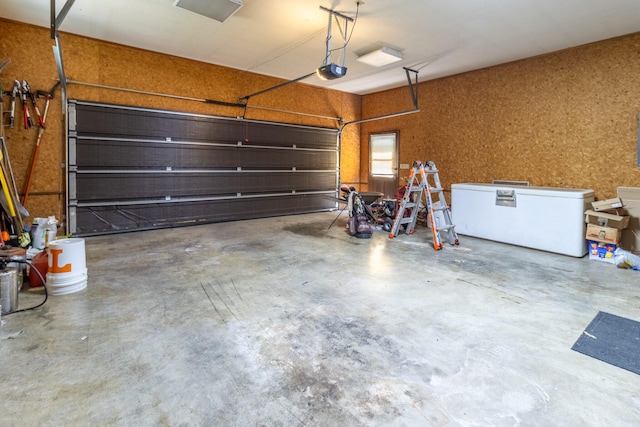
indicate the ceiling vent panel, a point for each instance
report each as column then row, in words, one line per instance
column 214, row 9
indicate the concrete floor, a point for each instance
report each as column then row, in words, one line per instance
column 286, row 322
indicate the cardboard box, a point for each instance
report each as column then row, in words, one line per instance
column 605, row 205
column 602, row 234
column 599, row 251
column 606, row 219
column 630, row 197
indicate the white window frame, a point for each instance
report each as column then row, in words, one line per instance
column 386, row 160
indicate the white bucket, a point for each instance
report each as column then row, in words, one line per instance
column 67, row 266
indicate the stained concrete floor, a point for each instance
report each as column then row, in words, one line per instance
column 286, row 322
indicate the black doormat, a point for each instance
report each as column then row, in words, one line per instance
column 612, row 339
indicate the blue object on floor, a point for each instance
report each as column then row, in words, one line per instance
column 612, row 339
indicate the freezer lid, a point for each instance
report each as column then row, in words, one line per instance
column 566, row 193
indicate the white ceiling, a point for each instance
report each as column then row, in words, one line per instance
column 287, row 38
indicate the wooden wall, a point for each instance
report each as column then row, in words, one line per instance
column 92, row 61
column 566, row 119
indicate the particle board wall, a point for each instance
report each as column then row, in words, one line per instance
column 97, row 62
column 566, row 119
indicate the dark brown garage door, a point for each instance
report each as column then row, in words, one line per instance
column 132, row 169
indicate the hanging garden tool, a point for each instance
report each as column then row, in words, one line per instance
column 36, row 150
column 16, row 91
column 28, row 123
column 5, row 164
column 17, row 223
column 27, row 90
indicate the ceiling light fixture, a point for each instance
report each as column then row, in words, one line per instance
column 382, row 56
column 214, row 9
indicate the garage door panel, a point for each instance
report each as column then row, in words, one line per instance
column 128, row 154
column 97, row 220
column 192, row 127
column 300, row 137
column 122, row 122
column 104, row 187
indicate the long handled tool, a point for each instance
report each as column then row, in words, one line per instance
column 32, row 96
column 7, row 195
column 6, row 166
column 36, row 150
column 28, row 123
column 16, row 90
column 16, row 210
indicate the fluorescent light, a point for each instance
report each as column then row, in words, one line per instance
column 383, row 56
column 214, row 9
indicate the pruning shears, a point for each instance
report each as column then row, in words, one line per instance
column 25, row 109
column 26, row 88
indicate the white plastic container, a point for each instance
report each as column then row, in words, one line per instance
column 43, row 230
column 545, row 218
column 67, row 266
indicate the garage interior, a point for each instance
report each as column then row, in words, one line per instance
column 200, row 161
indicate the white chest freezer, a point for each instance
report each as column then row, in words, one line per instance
column 545, row 218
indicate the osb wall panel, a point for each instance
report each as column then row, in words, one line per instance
column 31, row 57
column 100, row 63
column 567, row 119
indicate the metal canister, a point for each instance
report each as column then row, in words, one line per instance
column 18, row 262
column 9, row 290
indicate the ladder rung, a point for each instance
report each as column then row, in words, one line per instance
column 409, row 205
column 435, row 189
column 440, row 208
column 446, row 227
column 406, row 220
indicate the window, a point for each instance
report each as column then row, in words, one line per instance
column 383, row 149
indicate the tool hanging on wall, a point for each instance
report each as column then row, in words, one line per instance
column 32, row 96
column 36, row 150
column 6, row 191
column 28, row 123
column 6, row 166
column 9, row 195
column 14, row 93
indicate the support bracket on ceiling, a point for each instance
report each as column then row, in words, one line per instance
column 327, row 60
column 343, row 32
column 56, row 21
column 413, row 86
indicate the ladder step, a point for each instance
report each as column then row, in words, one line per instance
column 440, row 208
column 409, row 205
column 406, row 220
column 446, row 227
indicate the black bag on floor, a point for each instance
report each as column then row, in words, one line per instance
column 358, row 222
column 359, row 227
